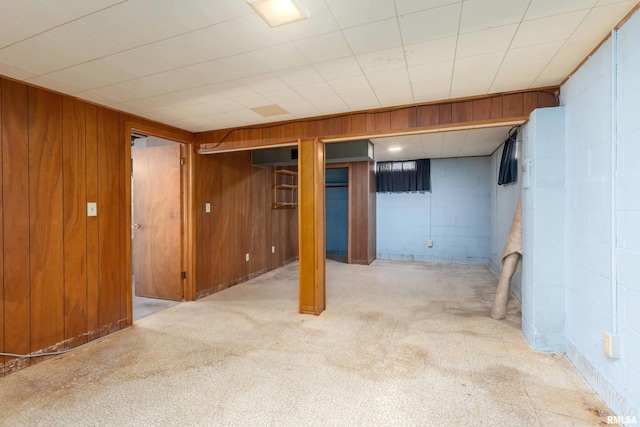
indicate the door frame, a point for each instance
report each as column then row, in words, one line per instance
column 188, row 214
column 350, row 189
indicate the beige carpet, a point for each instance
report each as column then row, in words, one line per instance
column 400, row 344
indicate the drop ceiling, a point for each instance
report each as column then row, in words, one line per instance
column 211, row 64
column 461, row 143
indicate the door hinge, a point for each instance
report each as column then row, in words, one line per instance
column 183, row 274
column 183, row 161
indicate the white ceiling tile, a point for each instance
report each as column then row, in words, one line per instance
column 374, row 36
column 209, row 43
column 76, row 9
column 485, row 41
column 251, row 32
column 264, row 83
column 15, row 72
column 349, row 84
column 121, row 94
column 280, row 57
column 11, row 32
column 603, row 18
column 431, row 51
column 300, row 76
column 543, row 8
column 571, row 54
column 430, row 24
column 72, row 80
column 360, row 100
column 139, row 22
column 409, row 6
column 52, row 84
column 246, row 115
column 484, row 14
column 252, row 101
column 487, row 63
column 338, row 68
column 122, row 66
column 358, row 12
column 315, row 90
column 395, row 95
column 321, row 21
column 435, row 71
column 382, row 60
column 227, row 69
column 300, row 108
column 431, row 90
column 388, row 78
column 106, row 71
column 516, row 77
column 171, row 53
column 52, row 50
column 85, row 39
column 167, row 115
column 282, row 95
column 537, row 54
column 101, row 97
column 329, row 104
column 36, row 15
column 471, row 84
column 225, row 105
column 324, row 47
column 549, row 29
column 220, row 11
column 26, row 60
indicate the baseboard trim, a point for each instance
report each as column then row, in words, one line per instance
column 609, row 395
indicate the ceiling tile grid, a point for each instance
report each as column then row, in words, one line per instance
column 202, row 64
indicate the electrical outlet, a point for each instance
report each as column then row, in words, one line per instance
column 430, row 243
column 246, row 257
column 612, row 345
column 273, row 249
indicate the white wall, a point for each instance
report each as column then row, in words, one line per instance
column 588, row 99
column 455, row 215
column 504, row 200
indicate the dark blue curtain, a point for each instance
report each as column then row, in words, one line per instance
column 509, row 163
column 400, row 177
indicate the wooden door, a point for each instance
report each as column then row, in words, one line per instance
column 157, row 216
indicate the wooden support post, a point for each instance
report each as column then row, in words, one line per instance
column 311, row 223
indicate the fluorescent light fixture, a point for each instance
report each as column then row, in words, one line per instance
column 395, row 148
column 279, row 12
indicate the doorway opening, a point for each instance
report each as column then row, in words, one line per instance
column 157, row 230
column 337, row 214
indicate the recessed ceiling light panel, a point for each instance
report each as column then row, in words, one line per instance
column 395, row 148
column 279, row 12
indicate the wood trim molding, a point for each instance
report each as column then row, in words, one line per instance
column 481, row 111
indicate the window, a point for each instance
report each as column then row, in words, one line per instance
column 400, row 177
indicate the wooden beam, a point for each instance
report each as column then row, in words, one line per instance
column 480, row 111
column 311, row 218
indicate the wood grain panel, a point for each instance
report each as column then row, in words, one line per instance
column 428, row 115
column 513, row 105
column 404, row 119
column 462, row 112
column 486, row 109
column 126, row 267
column 74, row 220
column 93, row 232
column 15, row 199
column 372, row 213
column 46, row 218
column 494, row 109
column 108, row 217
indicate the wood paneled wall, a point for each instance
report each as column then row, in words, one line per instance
column 241, row 221
column 65, row 276
column 494, row 109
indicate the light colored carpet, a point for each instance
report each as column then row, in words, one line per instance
column 399, row 344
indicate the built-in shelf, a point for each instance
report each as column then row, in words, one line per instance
column 285, row 189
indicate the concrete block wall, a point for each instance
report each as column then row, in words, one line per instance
column 504, row 200
column 589, row 100
column 543, row 217
column 455, row 215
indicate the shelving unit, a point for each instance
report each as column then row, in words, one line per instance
column 285, row 189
